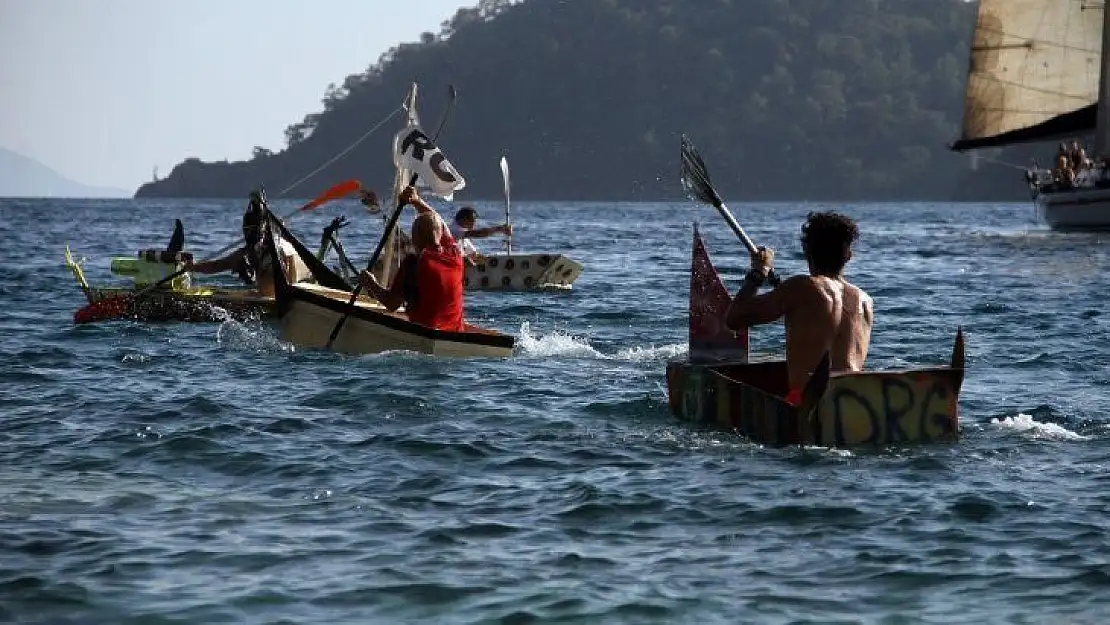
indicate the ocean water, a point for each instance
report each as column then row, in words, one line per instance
column 210, row 473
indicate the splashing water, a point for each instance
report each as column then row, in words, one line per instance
column 1024, row 424
column 558, row 343
column 250, row 336
column 562, row 344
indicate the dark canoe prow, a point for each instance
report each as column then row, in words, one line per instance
column 816, row 386
column 321, row 273
column 177, row 239
column 957, row 362
column 837, row 408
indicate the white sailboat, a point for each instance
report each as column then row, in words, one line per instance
column 1038, row 73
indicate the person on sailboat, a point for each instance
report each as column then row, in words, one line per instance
column 464, row 229
column 1063, row 173
column 251, row 262
column 429, row 283
column 824, row 313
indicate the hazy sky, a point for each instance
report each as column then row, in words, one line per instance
column 104, row 90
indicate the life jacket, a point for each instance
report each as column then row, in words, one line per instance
column 433, row 289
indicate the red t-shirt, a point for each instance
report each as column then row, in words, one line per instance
column 435, row 297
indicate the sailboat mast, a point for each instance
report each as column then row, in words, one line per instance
column 1102, row 129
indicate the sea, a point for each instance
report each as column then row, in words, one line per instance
column 171, row 473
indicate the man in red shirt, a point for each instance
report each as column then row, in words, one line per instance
column 430, row 282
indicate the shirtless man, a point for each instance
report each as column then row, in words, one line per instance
column 823, row 311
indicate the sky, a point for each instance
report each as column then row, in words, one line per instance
column 103, row 91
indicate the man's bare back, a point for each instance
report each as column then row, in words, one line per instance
column 825, row 314
column 822, row 311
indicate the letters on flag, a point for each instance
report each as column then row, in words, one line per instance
column 413, row 151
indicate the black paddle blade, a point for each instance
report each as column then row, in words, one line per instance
column 695, row 176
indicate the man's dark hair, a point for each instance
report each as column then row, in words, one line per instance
column 466, row 212
column 827, row 239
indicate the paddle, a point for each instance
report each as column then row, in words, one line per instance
column 340, row 190
column 508, row 221
column 392, row 223
column 695, row 179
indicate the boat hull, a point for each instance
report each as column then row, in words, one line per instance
column 522, row 272
column 860, row 408
column 311, row 311
column 195, row 304
column 308, row 313
column 1086, row 209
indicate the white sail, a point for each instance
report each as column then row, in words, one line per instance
column 392, row 252
column 1035, row 69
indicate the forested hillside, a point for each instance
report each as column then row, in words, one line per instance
column 787, row 99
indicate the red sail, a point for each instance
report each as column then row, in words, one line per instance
column 709, row 301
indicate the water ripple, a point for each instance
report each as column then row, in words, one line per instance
column 169, row 473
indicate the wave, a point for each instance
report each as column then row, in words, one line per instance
column 559, row 343
column 1025, row 424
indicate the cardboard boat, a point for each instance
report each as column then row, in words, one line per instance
column 307, row 313
column 522, row 272
column 716, row 384
column 179, row 300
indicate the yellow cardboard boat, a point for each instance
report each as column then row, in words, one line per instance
column 716, row 384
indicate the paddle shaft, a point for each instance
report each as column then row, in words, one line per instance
column 508, row 206
column 772, row 277
column 739, row 231
column 392, row 223
column 393, row 219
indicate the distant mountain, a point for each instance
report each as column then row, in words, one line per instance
column 787, row 99
column 21, row 176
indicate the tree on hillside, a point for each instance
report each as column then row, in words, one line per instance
column 815, row 99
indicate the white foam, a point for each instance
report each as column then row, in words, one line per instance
column 559, row 343
column 1025, row 424
column 236, row 335
column 648, row 354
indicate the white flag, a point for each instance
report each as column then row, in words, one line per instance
column 414, row 151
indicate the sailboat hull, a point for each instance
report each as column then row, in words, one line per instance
column 1075, row 209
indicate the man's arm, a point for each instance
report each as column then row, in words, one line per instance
column 749, row 308
column 227, row 263
column 481, row 233
column 392, row 299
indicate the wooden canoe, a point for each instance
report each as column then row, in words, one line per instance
column 716, row 384
column 308, row 312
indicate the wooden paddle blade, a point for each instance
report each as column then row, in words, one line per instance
column 341, row 190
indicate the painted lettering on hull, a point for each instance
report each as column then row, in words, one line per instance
column 888, row 408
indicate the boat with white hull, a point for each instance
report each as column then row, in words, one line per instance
column 1038, row 73
column 1082, row 209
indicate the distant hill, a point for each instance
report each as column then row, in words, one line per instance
column 21, row 176
column 787, row 99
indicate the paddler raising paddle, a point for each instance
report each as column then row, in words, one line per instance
column 430, row 281
column 823, row 311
